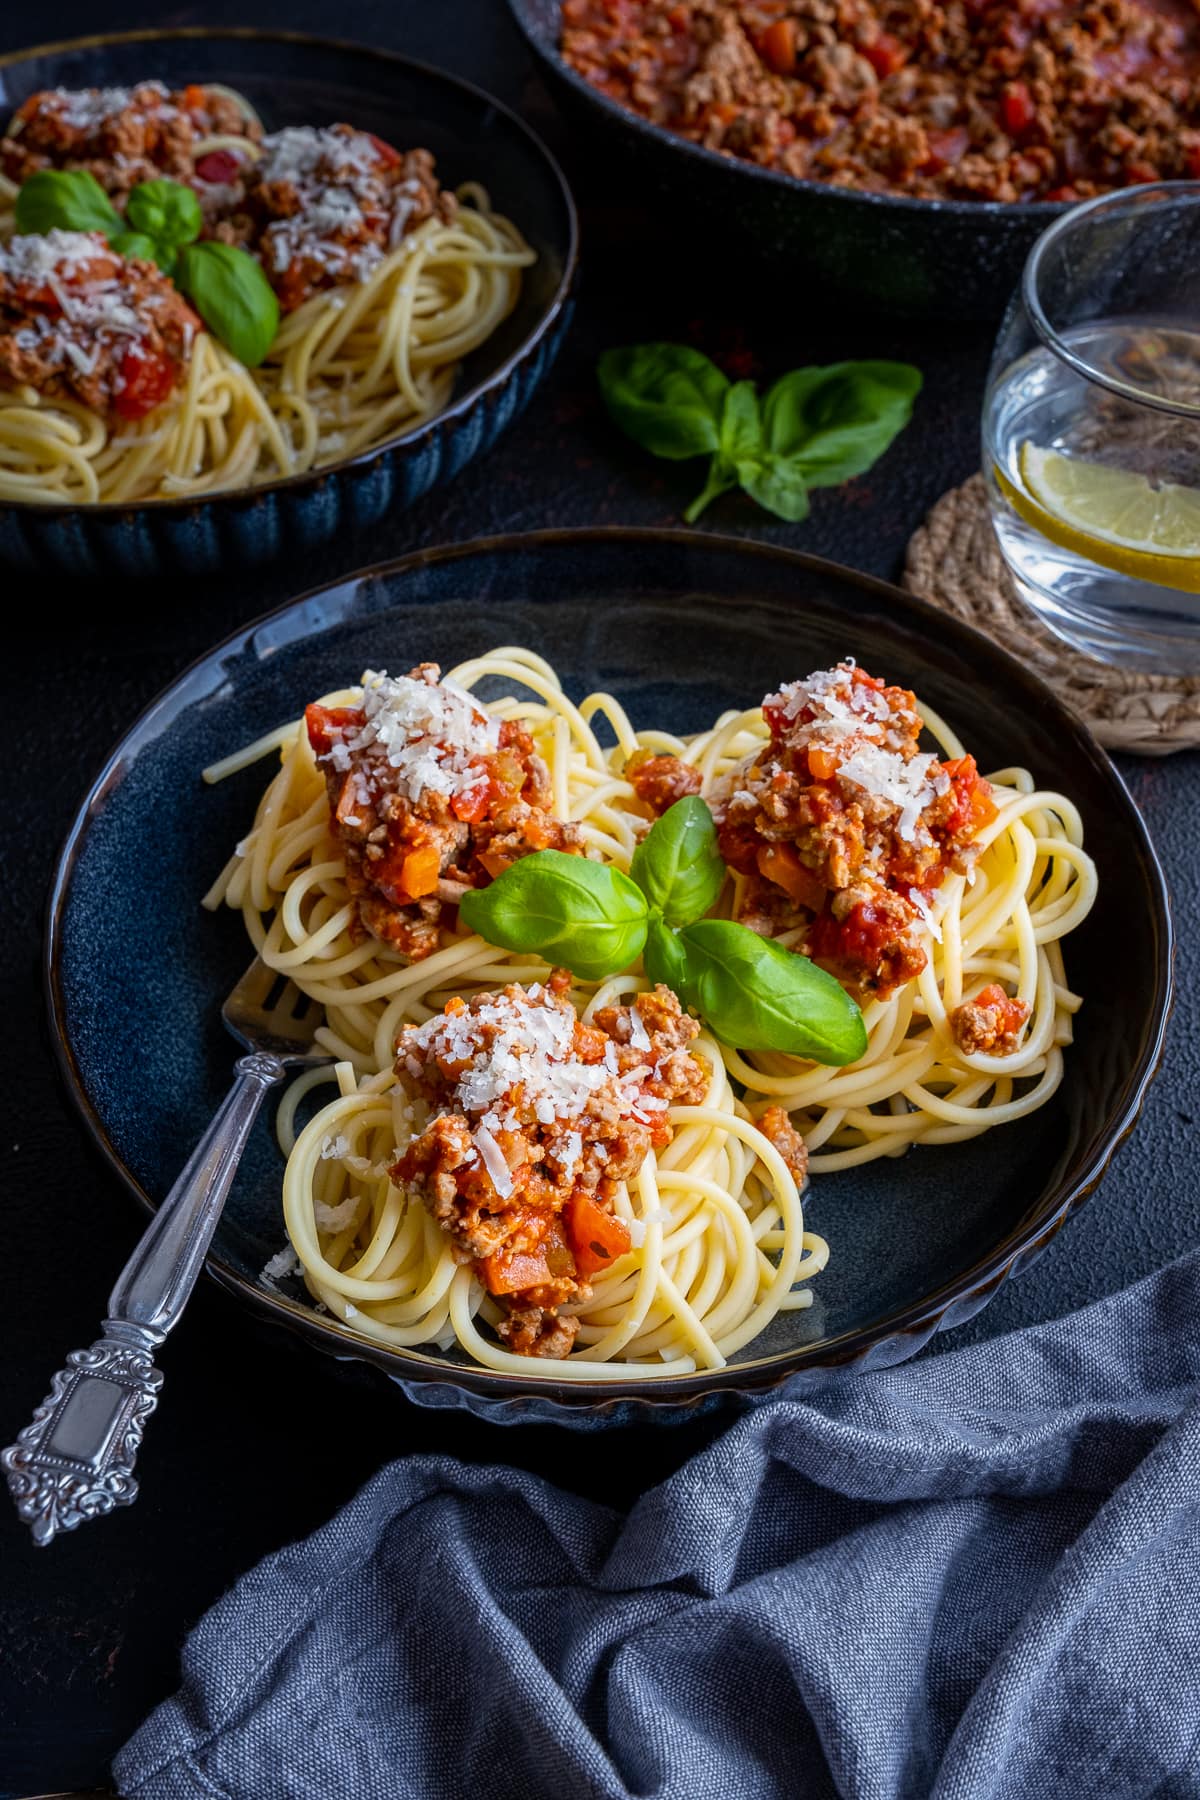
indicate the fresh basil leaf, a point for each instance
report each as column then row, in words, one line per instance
column 567, row 909
column 677, row 865
column 135, row 243
column 758, row 996
column 832, row 423
column 663, row 957
column 666, row 397
column 65, row 200
column 721, row 477
column 232, row 296
column 778, row 485
column 165, row 210
column 741, row 429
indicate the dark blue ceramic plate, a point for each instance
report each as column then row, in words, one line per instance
column 295, row 80
column 678, row 626
column 945, row 258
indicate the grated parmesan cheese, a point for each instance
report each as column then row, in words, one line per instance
column 909, row 787
column 423, row 736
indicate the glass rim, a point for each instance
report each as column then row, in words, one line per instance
column 1160, row 190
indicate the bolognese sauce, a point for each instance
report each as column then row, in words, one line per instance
column 536, row 1121
column 842, row 829
column 323, row 207
column 429, row 796
column 1004, row 100
column 123, row 136
column 80, row 322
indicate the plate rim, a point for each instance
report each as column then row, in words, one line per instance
column 903, row 1330
column 170, row 508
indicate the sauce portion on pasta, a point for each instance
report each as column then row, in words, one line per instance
column 521, row 1162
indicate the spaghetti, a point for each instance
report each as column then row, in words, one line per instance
column 715, row 1230
column 386, row 283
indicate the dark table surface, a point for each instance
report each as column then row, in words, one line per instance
column 258, row 1439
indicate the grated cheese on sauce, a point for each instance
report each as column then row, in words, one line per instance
column 908, row 786
column 431, row 735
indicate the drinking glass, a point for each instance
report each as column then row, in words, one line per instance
column 1091, row 428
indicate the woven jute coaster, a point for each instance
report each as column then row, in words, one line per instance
column 955, row 561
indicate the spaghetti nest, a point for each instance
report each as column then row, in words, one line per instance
column 349, row 369
column 717, row 1241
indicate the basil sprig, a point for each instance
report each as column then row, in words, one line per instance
column 162, row 222
column 816, row 427
column 593, row 919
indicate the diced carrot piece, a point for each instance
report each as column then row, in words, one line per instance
column 495, row 862
column 597, row 1237
column 822, row 764
column 780, row 864
column 777, row 46
column 511, row 1274
column 420, row 871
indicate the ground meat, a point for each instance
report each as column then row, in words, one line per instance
column 120, row 135
column 989, row 1025
column 842, row 830
column 1004, row 100
column 778, row 1129
column 79, row 322
column 659, row 781
column 536, row 1121
column 429, row 797
column 323, row 207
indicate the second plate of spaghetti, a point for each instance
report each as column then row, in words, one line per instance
column 716, row 966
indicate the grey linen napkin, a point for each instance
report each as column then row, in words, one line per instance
column 973, row 1577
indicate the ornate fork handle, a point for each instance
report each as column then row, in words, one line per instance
column 75, row 1461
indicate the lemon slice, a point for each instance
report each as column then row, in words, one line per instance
column 1111, row 516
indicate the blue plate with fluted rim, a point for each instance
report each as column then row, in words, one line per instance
column 679, row 626
column 296, row 80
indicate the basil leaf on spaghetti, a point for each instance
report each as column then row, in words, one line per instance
column 166, row 211
column 64, row 200
column 663, row 957
column 677, row 865
column 567, row 909
column 667, row 397
column 136, row 243
column 757, row 995
column 830, row 424
column 233, row 297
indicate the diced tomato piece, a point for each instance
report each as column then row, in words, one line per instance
column 885, row 55
column 777, row 46
column 472, row 805
column 1010, row 1014
column 1191, row 161
column 597, row 1237
column 387, row 156
column 146, row 380
column 1138, row 172
column 973, row 806
column 1062, row 193
column 218, row 166
column 1017, row 109
column 324, row 724
column 945, row 148
column 780, row 864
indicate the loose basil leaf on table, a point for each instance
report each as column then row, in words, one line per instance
column 677, row 865
column 584, row 914
column 64, row 200
column 666, row 397
column 166, row 211
column 830, row 424
column 232, row 296
column 757, row 995
column 740, row 453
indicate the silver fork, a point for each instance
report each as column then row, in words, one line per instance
column 75, row 1461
